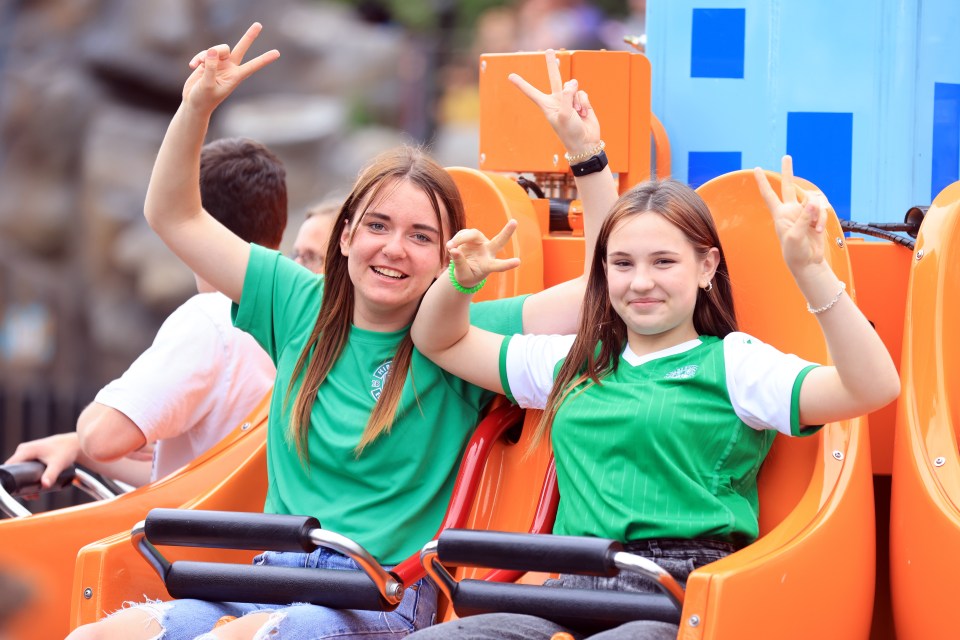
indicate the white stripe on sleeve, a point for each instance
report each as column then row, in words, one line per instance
column 530, row 363
column 760, row 381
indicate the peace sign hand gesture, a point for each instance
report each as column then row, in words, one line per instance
column 566, row 108
column 219, row 70
column 475, row 257
column 799, row 223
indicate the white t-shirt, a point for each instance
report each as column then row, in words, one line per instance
column 198, row 380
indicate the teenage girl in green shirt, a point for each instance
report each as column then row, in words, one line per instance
column 659, row 411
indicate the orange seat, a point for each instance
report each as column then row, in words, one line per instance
column 816, row 547
column 110, row 571
column 925, row 494
column 36, row 549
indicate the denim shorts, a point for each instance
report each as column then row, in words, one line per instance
column 194, row 619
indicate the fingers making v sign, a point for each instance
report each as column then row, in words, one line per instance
column 475, row 257
column 799, row 217
column 566, row 107
column 219, row 70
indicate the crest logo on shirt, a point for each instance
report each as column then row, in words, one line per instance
column 379, row 379
column 683, row 373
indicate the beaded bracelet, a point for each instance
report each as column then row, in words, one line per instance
column 574, row 158
column 829, row 305
column 459, row 287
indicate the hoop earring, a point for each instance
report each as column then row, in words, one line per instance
column 709, row 286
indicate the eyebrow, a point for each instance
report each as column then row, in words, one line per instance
column 625, row 254
column 418, row 226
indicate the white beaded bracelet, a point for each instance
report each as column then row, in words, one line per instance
column 829, row 305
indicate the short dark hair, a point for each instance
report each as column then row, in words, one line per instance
column 243, row 185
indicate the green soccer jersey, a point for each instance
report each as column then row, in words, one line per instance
column 393, row 497
column 668, row 445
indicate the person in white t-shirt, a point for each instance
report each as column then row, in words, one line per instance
column 201, row 376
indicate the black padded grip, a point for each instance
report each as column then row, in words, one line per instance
column 230, row 530
column 528, row 552
column 23, row 478
column 274, row 585
column 581, row 609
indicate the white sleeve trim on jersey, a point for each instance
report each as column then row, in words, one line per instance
column 530, row 363
column 761, row 381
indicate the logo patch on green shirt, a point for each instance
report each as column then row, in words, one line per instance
column 683, row 373
column 379, row 379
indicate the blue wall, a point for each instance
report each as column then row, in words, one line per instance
column 865, row 94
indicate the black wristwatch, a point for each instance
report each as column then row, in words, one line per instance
column 593, row 164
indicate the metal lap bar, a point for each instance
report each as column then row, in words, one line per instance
column 646, row 567
column 622, row 560
column 390, row 589
column 10, row 506
column 154, row 558
column 440, row 576
column 87, row 483
column 388, row 586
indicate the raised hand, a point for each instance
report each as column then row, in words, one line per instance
column 219, row 70
column 798, row 217
column 566, row 108
column 475, row 257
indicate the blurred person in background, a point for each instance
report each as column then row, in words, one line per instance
column 310, row 246
column 201, row 376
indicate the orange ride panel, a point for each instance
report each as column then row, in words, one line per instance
column 40, row 549
column 811, row 572
column 925, row 500
column 515, row 137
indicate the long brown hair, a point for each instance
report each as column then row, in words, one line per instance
column 602, row 334
column 332, row 328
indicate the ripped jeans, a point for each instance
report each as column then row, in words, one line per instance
column 194, row 619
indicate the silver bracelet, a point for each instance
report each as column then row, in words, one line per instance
column 829, row 305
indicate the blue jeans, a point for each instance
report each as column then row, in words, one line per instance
column 678, row 557
column 193, row 619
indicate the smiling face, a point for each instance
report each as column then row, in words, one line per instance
column 653, row 278
column 393, row 254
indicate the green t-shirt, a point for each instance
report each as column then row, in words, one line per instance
column 393, row 497
column 668, row 445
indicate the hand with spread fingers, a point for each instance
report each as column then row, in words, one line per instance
column 475, row 257
column 567, row 108
column 219, row 70
column 799, row 218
